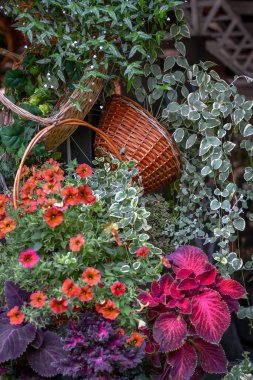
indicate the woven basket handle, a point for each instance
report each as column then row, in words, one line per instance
column 42, row 134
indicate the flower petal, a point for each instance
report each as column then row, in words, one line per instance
column 170, row 331
column 183, row 362
column 212, row 357
column 210, row 316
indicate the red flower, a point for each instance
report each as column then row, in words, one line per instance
column 115, row 234
column 28, row 187
column 85, row 195
column 76, row 242
column 142, row 252
column 28, row 258
column 59, row 306
column 25, row 171
column 7, row 225
column 69, row 288
column 16, row 316
column 41, row 196
column 53, row 217
column 91, row 276
column 53, row 175
column 118, row 289
column 51, row 187
column 84, row 170
column 38, row 299
column 136, row 339
column 85, row 294
column 108, row 309
column 120, row 331
column 70, row 195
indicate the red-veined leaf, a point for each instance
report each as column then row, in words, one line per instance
column 230, row 288
column 165, row 283
column 170, row 331
column 189, row 257
column 210, row 316
column 183, row 273
column 188, row 284
column 212, row 357
column 198, row 374
column 183, row 362
column 208, row 277
column 233, row 305
column 174, row 292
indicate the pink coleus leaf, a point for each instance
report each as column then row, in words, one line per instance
column 198, row 374
column 170, row 331
column 147, row 299
column 189, row 257
column 183, row 362
column 230, row 288
column 188, row 284
column 183, row 273
column 233, row 305
column 165, row 283
column 155, row 289
column 210, row 316
column 208, row 276
column 174, row 292
column 184, row 305
column 212, row 357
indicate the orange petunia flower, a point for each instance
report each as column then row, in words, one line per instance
column 38, row 299
column 85, row 195
column 51, row 187
column 84, row 170
column 91, row 276
column 76, row 242
column 70, row 195
column 59, row 306
column 28, row 187
column 51, row 175
column 25, row 171
column 49, row 203
column 16, row 316
column 53, row 217
column 85, row 294
column 136, row 339
column 69, row 288
column 41, row 196
column 2, row 208
column 7, row 225
column 108, row 309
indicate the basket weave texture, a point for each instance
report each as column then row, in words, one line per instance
column 141, row 138
column 57, row 136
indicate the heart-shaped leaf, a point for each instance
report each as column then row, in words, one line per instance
column 170, row 331
column 210, row 316
column 189, row 257
column 183, row 362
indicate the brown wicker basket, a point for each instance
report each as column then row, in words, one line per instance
column 67, row 111
column 47, row 130
column 140, row 137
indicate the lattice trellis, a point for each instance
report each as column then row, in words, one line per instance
column 230, row 41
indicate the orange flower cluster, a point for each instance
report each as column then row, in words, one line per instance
column 6, row 224
column 108, row 309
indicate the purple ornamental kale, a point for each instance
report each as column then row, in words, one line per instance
column 96, row 351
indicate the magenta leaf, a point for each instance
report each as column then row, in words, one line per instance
column 198, row 374
column 208, row 277
column 165, row 283
column 183, row 362
column 51, row 351
column 170, row 331
column 189, row 257
column 174, row 292
column 188, row 284
column 147, row 299
column 212, row 357
column 14, row 339
column 230, row 288
column 183, row 273
column 233, row 305
column 14, row 295
column 210, row 316
column 155, row 289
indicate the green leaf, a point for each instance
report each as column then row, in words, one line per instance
column 15, row 79
column 238, row 115
column 206, row 170
column 181, row 48
column 178, row 135
column 169, row 63
column 156, row 70
column 182, row 62
column 248, row 130
column 173, row 107
column 215, row 204
column 13, row 136
column 239, row 224
column 191, row 141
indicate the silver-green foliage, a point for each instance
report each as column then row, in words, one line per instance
column 241, row 371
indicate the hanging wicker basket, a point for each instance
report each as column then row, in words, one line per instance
column 141, row 138
column 67, row 110
column 48, row 131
